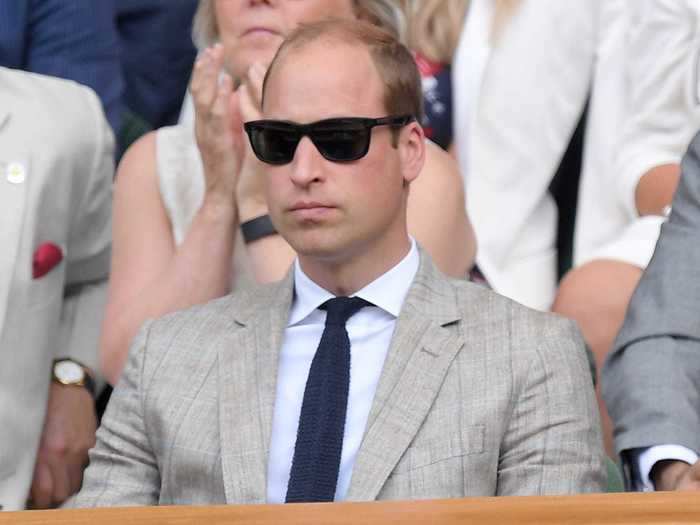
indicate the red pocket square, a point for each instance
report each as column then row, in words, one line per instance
column 46, row 257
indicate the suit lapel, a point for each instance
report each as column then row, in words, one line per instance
column 12, row 204
column 418, row 359
column 248, row 361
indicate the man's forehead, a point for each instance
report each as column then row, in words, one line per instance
column 320, row 70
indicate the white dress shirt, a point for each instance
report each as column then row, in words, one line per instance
column 370, row 332
column 644, row 459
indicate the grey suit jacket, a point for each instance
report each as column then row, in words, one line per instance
column 57, row 131
column 478, row 396
column 651, row 381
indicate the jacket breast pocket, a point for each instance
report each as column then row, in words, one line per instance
column 452, row 445
column 436, row 467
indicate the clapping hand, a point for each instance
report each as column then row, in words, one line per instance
column 218, row 124
column 250, row 194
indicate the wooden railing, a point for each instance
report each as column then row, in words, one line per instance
column 632, row 509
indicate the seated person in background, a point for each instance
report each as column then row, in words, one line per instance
column 642, row 115
column 520, row 75
column 651, row 381
column 156, row 55
column 436, row 387
column 433, row 29
column 185, row 202
column 56, row 169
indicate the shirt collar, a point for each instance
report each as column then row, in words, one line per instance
column 387, row 291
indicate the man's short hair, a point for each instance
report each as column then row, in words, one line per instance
column 403, row 93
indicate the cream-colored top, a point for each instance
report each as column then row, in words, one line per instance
column 181, row 182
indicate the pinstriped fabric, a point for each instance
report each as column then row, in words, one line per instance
column 478, row 396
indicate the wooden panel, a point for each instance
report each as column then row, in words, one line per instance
column 653, row 508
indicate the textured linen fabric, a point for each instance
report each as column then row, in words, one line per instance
column 478, row 396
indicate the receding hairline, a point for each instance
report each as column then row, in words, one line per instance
column 338, row 34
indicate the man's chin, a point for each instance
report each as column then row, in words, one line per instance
column 318, row 245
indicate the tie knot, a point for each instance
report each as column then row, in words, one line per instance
column 340, row 309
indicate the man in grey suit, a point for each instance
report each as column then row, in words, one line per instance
column 651, row 381
column 56, row 168
column 450, row 389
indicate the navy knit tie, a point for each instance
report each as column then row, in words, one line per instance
column 319, row 445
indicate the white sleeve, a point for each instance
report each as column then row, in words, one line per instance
column 643, row 460
column 662, row 74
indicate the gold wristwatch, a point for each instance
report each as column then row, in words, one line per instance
column 72, row 373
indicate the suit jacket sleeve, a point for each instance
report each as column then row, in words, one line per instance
column 553, row 444
column 651, row 381
column 123, row 469
column 77, row 40
column 89, row 241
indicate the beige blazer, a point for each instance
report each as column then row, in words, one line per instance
column 479, row 396
column 55, row 138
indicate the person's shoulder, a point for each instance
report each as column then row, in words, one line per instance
column 189, row 339
column 518, row 322
column 72, row 113
column 525, row 338
column 221, row 314
column 59, row 94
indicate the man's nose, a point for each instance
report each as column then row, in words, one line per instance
column 307, row 163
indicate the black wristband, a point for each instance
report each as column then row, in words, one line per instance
column 89, row 384
column 257, row 228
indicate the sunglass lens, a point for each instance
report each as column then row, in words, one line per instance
column 274, row 146
column 342, row 145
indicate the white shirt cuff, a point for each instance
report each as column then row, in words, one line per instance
column 644, row 459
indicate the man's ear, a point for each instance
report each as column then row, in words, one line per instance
column 411, row 151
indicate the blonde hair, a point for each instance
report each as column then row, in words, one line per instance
column 382, row 13
column 434, row 26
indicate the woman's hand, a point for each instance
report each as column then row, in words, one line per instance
column 218, row 125
column 250, row 192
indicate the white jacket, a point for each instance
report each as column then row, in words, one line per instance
column 518, row 98
column 645, row 109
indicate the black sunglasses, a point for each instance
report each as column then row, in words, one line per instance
column 337, row 139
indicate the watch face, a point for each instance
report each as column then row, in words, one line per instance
column 69, row 372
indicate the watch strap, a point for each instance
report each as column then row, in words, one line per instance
column 257, row 228
column 88, row 382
